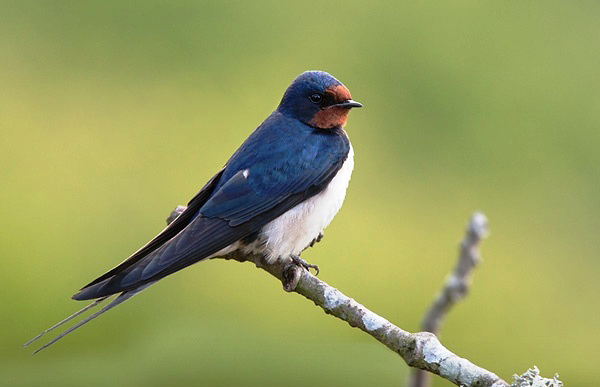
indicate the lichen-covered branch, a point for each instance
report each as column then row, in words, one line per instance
column 455, row 288
column 420, row 350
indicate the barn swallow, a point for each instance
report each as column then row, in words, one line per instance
column 274, row 196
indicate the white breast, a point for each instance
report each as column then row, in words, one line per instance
column 293, row 231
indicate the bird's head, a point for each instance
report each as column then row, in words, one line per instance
column 317, row 99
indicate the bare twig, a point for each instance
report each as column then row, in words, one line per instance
column 420, row 350
column 455, row 288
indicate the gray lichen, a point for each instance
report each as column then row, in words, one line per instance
column 532, row 378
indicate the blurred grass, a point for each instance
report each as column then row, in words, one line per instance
column 112, row 113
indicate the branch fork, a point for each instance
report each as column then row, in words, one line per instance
column 421, row 350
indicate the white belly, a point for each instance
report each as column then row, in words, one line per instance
column 293, row 231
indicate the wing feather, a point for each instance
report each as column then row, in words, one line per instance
column 168, row 232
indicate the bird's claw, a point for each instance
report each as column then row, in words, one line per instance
column 317, row 239
column 291, row 277
column 321, row 235
column 301, row 262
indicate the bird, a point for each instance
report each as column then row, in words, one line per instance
column 274, row 197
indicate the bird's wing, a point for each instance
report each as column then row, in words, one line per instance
column 244, row 203
column 168, row 232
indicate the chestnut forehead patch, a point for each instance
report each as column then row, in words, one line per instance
column 339, row 93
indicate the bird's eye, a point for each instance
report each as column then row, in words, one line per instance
column 316, row 98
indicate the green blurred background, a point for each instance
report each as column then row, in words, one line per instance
column 112, row 113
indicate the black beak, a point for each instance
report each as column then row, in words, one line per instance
column 349, row 104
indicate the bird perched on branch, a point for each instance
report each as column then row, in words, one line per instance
column 274, row 196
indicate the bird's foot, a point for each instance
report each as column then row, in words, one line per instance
column 291, row 277
column 293, row 272
column 301, row 262
column 317, row 239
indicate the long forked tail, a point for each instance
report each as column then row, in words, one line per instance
column 119, row 300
